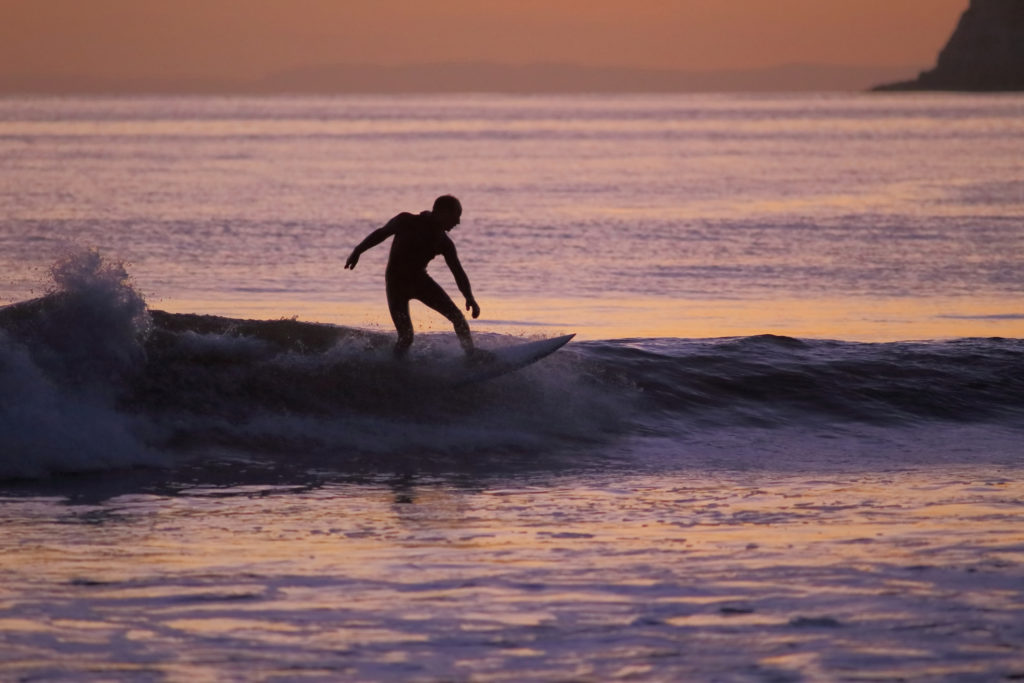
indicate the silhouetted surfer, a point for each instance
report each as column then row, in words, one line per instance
column 418, row 239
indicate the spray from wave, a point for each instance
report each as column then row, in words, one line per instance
column 64, row 362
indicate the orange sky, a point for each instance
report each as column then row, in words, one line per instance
column 252, row 38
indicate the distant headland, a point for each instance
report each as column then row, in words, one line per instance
column 985, row 52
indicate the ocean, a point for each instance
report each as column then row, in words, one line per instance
column 785, row 444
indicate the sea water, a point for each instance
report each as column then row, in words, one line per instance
column 786, row 445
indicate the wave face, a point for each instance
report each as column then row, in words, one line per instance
column 90, row 379
column 774, row 381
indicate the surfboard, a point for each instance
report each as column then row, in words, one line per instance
column 509, row 358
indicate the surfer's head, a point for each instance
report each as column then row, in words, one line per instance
column 447, row 211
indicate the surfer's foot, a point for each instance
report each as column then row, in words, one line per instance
column 479, row 357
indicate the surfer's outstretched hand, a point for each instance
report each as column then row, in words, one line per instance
column 471, row 304
column 353, row 259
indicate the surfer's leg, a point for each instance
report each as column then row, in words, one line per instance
column 398, row 305
column 434, row 296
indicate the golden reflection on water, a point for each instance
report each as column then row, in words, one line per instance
column 846, row 566
column 756, row 527
column 848, row 319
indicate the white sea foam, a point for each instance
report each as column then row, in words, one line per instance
column 46, row 427
column 98, row 321
column 61, row 374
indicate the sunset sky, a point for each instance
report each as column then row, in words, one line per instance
column 249, row 39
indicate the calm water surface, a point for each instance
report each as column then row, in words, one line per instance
column 842, row 216
column 744, row 577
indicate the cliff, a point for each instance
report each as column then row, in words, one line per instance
column 985, row 52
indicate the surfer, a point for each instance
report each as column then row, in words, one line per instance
column 418, row 238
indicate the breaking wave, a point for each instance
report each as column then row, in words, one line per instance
column 90, row 379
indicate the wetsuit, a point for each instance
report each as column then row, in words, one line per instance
column 417, row 240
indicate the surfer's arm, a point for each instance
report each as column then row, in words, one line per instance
column 451, row 257
column 372, row 240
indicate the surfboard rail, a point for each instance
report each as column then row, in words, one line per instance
column 510, row 358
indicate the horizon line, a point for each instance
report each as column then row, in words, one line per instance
column 477, row 76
